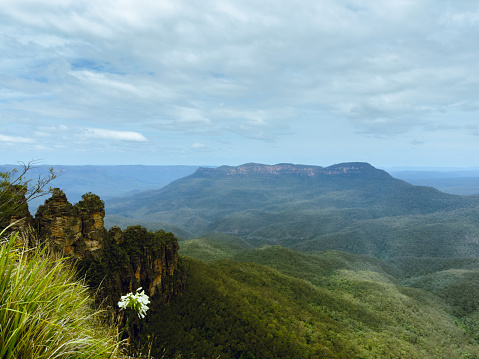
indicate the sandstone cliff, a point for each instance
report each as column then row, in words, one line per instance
column 60, row 226
column 115, row 261
column 352, row 168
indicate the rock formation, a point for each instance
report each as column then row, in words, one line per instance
column 288, row 168
column 60, row 226
column 116, row 262
column 138, row 258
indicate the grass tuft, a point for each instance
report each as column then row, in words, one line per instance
column 45, row 312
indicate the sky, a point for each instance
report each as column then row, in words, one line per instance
column 226, row 82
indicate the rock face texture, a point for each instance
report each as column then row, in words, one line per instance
column 288, row 168
column 60, row 225
column 115, row 261
column 137, row 258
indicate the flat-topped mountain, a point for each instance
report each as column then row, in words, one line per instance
column 353, row 168
column 348, row 206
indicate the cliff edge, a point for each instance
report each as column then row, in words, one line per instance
column 115, row 261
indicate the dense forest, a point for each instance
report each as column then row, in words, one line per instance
column 291, row 266
column 356, row 265
column 274, row 302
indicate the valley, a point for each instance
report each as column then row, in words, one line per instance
column 283, row 261
column 353, row 207
column 341, row 262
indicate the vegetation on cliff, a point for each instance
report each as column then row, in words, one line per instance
column 45, row 312
column 16, row 190
column 135, row 258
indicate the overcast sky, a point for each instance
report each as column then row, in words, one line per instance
column 212, row 82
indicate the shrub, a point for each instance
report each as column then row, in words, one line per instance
column 45, row 312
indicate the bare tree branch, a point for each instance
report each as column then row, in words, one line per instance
column 16, row 189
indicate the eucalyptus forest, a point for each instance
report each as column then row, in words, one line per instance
column 252, row 261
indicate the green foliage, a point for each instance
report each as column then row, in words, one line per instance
column 414, row 267
column 16, row 190
column 12, row 194
column 314, row 267
column 459, row 290
column 234, row 311
column 213, row 246
column 90, row 202
column 123, row 223
column 138, row 240
column 45, row 313
column 118, row 261
column 334, row 305
column 453, row 281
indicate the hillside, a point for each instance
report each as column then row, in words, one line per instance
column 278, row 303
column 250, row 301
column 401, row 293
column 349, row 206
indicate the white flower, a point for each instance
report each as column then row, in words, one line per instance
column 138, row 302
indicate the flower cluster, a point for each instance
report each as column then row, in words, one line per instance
column 138, row 302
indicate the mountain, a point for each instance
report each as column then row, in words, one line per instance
column 105, row 181
column 416, row 299
column 348, row 206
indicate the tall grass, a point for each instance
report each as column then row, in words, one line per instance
column 45, row 312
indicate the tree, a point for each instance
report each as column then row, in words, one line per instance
column 17, row 189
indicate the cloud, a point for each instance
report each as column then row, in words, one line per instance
column 50, row 131
column 200, row 147
column 247, row 69
column 114, row 135
column 15, row 139
column 177, row 59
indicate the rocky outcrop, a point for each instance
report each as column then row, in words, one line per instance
column 77, row 230
column 14, row 213
column 91, row 210
column 115, row 261
column 144, row 259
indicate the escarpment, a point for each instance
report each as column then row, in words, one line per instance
column 342, row 169
column 136, row 258
column 116, row 261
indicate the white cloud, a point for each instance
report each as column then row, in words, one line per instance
column 15, row 139
column 198, row 146
column 247, row 69
column 114, row 135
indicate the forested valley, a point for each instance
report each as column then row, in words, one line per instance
column 292, row 261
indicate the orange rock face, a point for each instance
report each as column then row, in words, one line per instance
column 143, row 259
column 59, row 225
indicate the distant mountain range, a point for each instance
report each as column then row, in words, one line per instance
column 350, row 206
column 115, row 181
column 105, row 181
column 281, row 261
column 454, row 181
